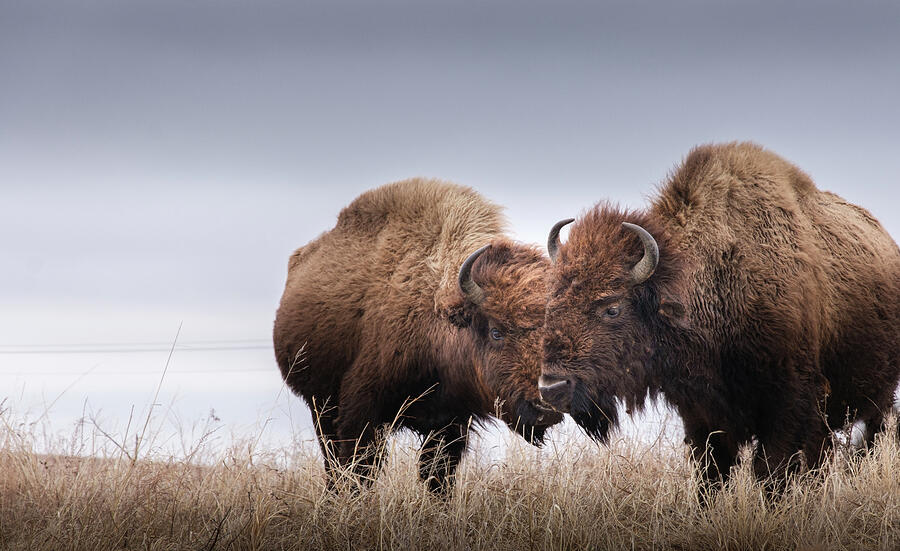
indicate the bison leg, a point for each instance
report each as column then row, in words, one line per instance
column 875, row 424
column 441, row 453
column 362, row 454
column 324, row 414
column 783, row 452
column 715, row 453
column 361, row 424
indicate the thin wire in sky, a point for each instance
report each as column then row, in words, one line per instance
column 134, row 347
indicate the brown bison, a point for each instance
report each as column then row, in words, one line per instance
column 761, row 307
column 390, row 320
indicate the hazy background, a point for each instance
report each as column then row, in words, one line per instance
column 160, row 160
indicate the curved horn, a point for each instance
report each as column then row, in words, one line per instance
column 647, row 265
column 467, row 285
column 553, row 239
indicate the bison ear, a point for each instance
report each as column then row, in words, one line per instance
column 673, row 311
column 459, row 317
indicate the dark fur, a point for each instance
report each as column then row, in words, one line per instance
column 373, row 330
column 774, row 312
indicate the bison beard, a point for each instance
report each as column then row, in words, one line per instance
column 763, row 308
column 390, row 321
column 594, row 414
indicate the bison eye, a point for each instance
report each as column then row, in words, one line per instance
column 612, row 311
column 496, row 334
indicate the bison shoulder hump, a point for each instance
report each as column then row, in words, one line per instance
column 417, row 199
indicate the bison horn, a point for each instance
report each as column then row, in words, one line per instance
column 647, row 265
column 467, row 285
column 553, row 240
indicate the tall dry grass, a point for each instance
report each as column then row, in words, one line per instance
column 579, row 496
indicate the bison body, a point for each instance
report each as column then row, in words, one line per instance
column 379, row 328
column 762, row 307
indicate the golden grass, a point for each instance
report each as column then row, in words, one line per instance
column 578, row 496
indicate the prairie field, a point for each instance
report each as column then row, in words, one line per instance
column 94, row 491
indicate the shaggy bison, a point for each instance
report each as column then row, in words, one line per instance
column 414, row 311
column 760, row 306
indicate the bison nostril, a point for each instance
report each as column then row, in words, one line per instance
column 554, row 386
column 556, row 392
column 543, row 406
column 551, row 382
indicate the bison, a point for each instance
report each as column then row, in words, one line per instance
column 415, row 312
column 762, row 308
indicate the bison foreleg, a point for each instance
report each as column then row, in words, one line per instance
column 361, row 458
column 441, row 453
column 714, row 452
column 361, row 424
column 324, row 415
column 875, row 424
column 790, row 447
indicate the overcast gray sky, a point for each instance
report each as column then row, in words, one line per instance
column 160, row 160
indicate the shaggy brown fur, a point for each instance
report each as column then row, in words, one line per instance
column 774, row 311
column 373, row 318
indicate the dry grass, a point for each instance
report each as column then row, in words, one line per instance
column 628, row 496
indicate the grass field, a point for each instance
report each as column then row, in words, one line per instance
column 630, row 495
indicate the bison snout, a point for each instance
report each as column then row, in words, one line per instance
column 546, row 414
column 543, row 407
column 556, row 391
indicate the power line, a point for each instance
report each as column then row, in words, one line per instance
column 129, row 348
column 134, row 343
column 181, row 348
column 136, row 347
column 272, row 369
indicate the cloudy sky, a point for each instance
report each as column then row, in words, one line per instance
column 160, row 160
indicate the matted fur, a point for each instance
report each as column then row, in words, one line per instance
column 372, row 318
column 774, row 312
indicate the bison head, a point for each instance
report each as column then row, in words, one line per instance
column 503, row 288
column 608, row 296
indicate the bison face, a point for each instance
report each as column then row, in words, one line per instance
column 599, row 337
column 504, row 292
column 594, row 351
column 508, row 359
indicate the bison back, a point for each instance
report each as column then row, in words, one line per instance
column 374, row 285
column 783, row 274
